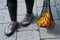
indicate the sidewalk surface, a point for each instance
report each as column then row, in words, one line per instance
column 32, row 32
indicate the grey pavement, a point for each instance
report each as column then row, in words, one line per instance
column 32, row 32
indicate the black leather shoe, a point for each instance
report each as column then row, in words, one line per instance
column 11, row 28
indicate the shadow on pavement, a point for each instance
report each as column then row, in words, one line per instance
column 56, row 31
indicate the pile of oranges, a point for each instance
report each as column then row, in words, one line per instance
column 46, row 21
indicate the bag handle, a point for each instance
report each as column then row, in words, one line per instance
column 46, row 6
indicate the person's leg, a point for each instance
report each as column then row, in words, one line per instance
column 29, row 6
column 12, row 8
column 29, row 16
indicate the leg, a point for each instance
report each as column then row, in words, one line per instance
column 12, row 8
column 29, row 6
column 29, row 16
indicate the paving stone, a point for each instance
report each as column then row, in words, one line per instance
column 51, row 34
column 35, row 8
column 59, row 14
column 58, row 7
column 21, row 9
column 28, row 35
column 54, row 13
column 51, row 39
column 20, row 18
column 2, row 33
column 39, row 11
column 57, row 2
column 39, row 3
column 2, row 4
column 30, row 27
column 4, row 16
column 52, row 3
column 20, row 0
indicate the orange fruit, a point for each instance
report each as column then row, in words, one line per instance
column 46, row 21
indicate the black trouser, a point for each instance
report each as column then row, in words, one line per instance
column 12, row 7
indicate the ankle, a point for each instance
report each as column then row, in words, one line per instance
column 29, row 12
